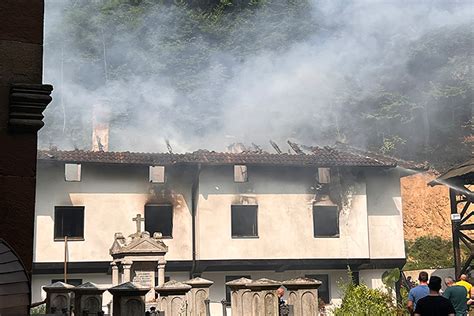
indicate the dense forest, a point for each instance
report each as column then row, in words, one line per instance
column 198, row 71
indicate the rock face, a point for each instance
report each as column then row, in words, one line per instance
column 426, row 209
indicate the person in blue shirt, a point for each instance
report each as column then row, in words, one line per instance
column 418, row 292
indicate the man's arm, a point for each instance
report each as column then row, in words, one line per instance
column 411, row 299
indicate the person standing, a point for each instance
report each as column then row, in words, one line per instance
column 463, row 282
column 434, row 304
column 456, row 294
column 418, row 292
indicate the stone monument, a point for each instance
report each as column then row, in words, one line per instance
column 58, row 298
column 128, row 299
column 240, row 298
column 303, row 295
column 198, row 295
column 264, row 298
column 137, row 257
column 173, row 298
column 88, row 299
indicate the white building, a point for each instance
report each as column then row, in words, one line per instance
column 222, row 215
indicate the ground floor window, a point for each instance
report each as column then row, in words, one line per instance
column 323, row 290
column 75, row 282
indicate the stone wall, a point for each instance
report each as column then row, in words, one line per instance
column 21, row 58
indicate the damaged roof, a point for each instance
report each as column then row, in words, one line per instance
column 463, row 173
column 304, row 156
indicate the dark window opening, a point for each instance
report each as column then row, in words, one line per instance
column 167, row 278
column 229, row 278
column 244, row 220
column 159, row 219
column 69, row 221
column 325, row 221
column 75, row 282
column 323, row 290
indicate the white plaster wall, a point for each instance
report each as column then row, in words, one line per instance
column 285, row 217
column 385, row 218
column 112, row 196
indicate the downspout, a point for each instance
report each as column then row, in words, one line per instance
column 194, row 200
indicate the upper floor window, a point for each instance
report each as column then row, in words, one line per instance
column 159, row 219
column 69, row 221
column 326, row 221
column 244, row 221
column 157, row 174
column 323, row 290
column 240, row 173
column 72, row 172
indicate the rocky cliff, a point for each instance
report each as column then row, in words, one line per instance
column 425, row 209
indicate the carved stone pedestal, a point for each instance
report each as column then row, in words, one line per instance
column 303, row 295
column 129, row 299
column 240, row 296
column 88, row 299
column 58, row 298
column 197, row 296
column 264, row 297
column 173, row 298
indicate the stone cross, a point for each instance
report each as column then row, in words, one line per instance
column 139, row 221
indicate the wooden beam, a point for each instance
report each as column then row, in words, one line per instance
column 455, row 233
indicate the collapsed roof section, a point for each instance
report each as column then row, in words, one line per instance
column 336, row 156
column 463, row 174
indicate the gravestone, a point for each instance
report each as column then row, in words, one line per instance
column 128, row 299
column 303, row 295
column 88, row 299
column 173, row 298
column 240, row 296
column 198, row 295
column 58, row 298
column 144, row 276
column 264, row 298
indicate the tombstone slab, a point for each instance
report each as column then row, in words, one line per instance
column 128, row 299
column 303, row 295
column 198, row 295
column 173, row 298
column 264, row 298
column 88, row 299
column 58, row 298
column 240, row 296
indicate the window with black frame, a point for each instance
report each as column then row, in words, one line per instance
column 326, row 220
column 69, row 221
column 244, row 221
column 159, row 219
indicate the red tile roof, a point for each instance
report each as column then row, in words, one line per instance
column 312, row 156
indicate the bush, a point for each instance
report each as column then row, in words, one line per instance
column 359, row 300
column 38, row 310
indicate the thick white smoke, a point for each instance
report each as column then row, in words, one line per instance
column 297, row 91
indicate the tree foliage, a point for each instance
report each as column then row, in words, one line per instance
column 421, row 110
column 428, row 252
